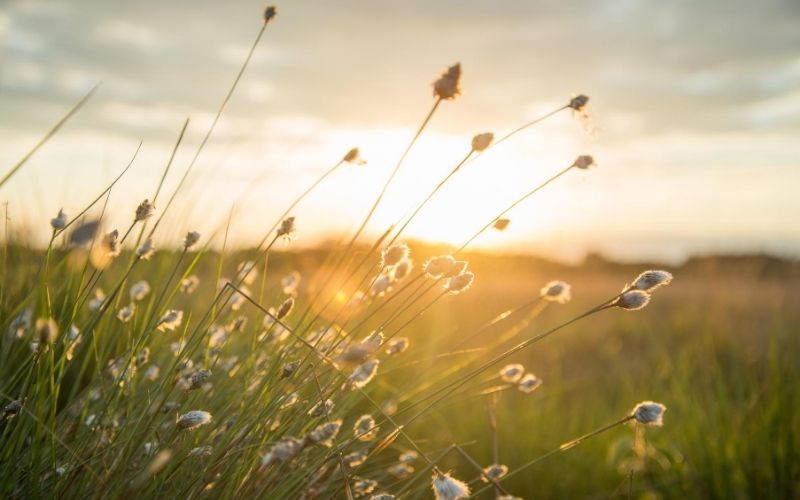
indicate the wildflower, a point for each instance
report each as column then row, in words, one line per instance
column 98, row 300
column 501, row 224
column 196, row 379
column 408, row 457
column 396, row 346
column 170, row 320
column 189, row 284
column 144, row 211
column 143, row 357
column 401, row 470
column 494, row 472
column 584, row 162
column 285, row 308
column 321, row 408
column 556, row 291
column 324, row 434
column 11, row 410
column 364, row 372
column 446, row 87
column 287, row 228
column 364, row 486
column 578, row 102
column 512, row 373
column 146, row 249
column 459, row 283
column 394, row 254
column 193, row 419
column 139, row 290
column 355, row 458
column 46, row 330
column 529, row 383
column 201, row 451
column 437, row 267
column 290, row 282
column 282, row 451
column 60, row 221
column 364, row 349
column 20, row 323
column 365, row 428
column 353, row 156
column 402, row 269
column 632, row 300
column 482, row 141
column 381, row 285
column 446, row 487
column 650, row 280
column 269, row 14
column 649, row 413
column 190, row 239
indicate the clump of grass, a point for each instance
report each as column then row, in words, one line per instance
column 180, row 388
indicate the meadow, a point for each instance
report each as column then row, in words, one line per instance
column 381, row 367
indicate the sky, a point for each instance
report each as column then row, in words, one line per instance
column 694, row 119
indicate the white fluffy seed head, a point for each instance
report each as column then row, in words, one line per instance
column 364, row 373
column 170, row 320
column 578, row 102
column 46, row 330
column 437, row 267
column 126, row 313
column 365, row 429
column 396, row 346
column 189, row 284
column 632, row 300
column 394, row 254
column 494, row 471
column 287, row 228
column 285, row 308
column 584, row 162
column 282, row 451
column 146, row 249
column 512, row 373
column 446, row 487
column 145, row 210
column 447, row 86
column 139, row 290
column 459, row 283
column 193, row 419
column 324, row 434
column 482, row 141
column 529, row 383
column 650, row 280
column 191, row 238
column 60, row 220
column 649, row 413
column 354, row 156
column 556, row 291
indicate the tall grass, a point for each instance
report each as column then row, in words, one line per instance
column 181, row 373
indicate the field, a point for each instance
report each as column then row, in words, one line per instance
column 141, row 358
column 718, row 347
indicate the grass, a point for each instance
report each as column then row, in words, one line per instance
column 223, row 392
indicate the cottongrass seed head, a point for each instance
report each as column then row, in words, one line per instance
column 146, row 249
column 447, row 86
column 59, row 222
column 512, row 372
column 650, row 280
column 46, row 330
column 446, row 487
column 139, row 290
column 632, row 300
column 579, row 102
column 649, row 413
column 285, row 308
column 126, row 313
column 584, row 162
column 170, row 320
column 394, row 254
column 270, row 13
column 189, row 284
column 396, row 346
column 482, row 141
column 494, row 472
column 556, row 291
column 191, row 238
column 529, row 383
column 437, row 267
column 324, row 434
column 287, row 228
column 282, row 451
column 193, row 419
column 501, row 224
column 365, row 429
column 145, row 210
column 459, row 283
column 364, row 373
column 354, row 157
